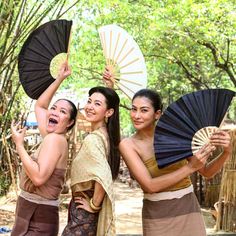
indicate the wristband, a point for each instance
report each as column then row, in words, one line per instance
column 95, row 208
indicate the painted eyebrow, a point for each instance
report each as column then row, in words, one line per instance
column 65, row 109
column 96, row 100
column 62, row 108
column 143, row 107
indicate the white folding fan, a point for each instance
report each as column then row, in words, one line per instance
column 124, row 58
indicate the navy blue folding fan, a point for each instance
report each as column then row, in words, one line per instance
column 186, row 124
column 41, row 55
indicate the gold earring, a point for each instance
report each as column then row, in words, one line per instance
column 106, row 119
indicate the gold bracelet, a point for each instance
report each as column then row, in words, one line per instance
column 95, row 208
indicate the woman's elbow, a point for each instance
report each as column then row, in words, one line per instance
column 148, row 188
column 207, row 174
column 37, row 182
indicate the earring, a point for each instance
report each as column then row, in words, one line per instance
column 106, row 119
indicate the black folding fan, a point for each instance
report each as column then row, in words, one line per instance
column 47, row 44
column 186, row 124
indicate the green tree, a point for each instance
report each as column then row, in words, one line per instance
column 17, row 19
column 188, row 45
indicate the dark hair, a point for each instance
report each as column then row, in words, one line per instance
column 113, row 127
column 152, row 95
column 73, row 112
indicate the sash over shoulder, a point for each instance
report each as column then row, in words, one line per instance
column 91, row 165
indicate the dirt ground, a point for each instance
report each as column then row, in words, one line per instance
column 128, row 210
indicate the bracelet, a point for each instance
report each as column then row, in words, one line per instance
column 95, row 208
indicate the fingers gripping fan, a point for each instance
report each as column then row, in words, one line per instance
column 124, row 58
column 41, row 56
column 187, row 124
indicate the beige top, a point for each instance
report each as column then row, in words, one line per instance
column 50, row 190
column 154, row 171
column 91, row 165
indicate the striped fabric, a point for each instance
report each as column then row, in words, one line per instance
column 34, row 219
column 174, row 217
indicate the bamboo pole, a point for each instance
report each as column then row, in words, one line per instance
column 10, row 165
column 227, row 199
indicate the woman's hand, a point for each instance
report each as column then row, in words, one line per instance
column 108, row 77
column 43, row 102
column 64, row 71
column 222, row 139
column 83, row 203
column 199, row 160
column 18, row 133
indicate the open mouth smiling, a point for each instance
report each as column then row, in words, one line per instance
column 52, row 121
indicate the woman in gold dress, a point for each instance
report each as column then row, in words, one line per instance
column 170, row 206
column 91, row 211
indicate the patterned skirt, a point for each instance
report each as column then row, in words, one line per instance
column 33, row 219
column 173, row 217
column 80, row 222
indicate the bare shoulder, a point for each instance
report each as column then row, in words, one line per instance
column 54, row 139
column 126, row 141
column 128, row 144
column 55, row 146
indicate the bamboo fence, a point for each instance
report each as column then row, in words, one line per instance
column 226, row 219
column 212, row 186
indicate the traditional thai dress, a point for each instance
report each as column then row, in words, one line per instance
column 37, row 211
column 173, row 212
column 91, row 165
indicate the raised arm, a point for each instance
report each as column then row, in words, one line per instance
column 45, row 98
column 39, row 172
column 151, row 185
column 218, row 139
column 108, row 77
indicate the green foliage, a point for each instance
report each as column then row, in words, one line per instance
column 17, row 19
column 5, row 183
column 188, row 45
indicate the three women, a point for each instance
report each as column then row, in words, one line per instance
column 91, row 210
